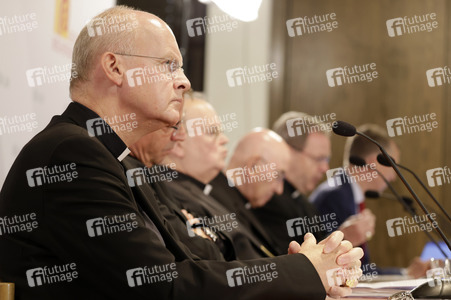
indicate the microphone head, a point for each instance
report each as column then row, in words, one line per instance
column 343, row 128
column 372, row 194
column 357, row 161
column 383, row 161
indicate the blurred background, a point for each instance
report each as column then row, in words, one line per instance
column 39, row 34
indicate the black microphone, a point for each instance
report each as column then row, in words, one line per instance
column 381, row 159
column 346, row 129
column 375, row 195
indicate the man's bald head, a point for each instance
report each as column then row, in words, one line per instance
column 91, row 44
column 263, row 156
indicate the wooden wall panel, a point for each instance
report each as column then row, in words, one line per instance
column 400, row 90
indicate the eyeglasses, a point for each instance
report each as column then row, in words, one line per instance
column 317, row 159
column 171, row 64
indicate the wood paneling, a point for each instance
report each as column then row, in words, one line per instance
column 400, row 90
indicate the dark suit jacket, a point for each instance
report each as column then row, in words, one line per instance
column 189, row 192
column 203, row 248
column 282, row 208
column 339, row 200
column 65, row 209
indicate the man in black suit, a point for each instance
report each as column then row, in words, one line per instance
column 72, row 227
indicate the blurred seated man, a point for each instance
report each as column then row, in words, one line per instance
column 198, row 160
column 91, row 236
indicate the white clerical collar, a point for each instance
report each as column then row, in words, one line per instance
column 124, row 154
column 357, row 192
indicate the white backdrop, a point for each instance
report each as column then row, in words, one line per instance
column 35, row 34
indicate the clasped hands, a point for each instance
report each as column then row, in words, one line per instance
column 335, row 260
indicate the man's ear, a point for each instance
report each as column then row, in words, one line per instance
column 112, row 67
column 253, row 161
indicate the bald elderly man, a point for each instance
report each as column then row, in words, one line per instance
column 83, row 234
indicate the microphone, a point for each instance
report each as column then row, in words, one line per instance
column 346, row 129
column 383, row 161
column 375, row 195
